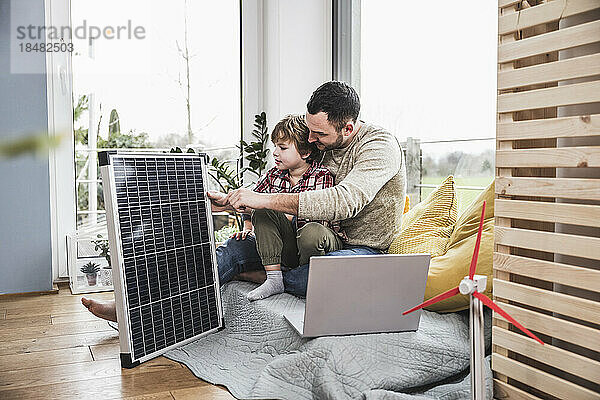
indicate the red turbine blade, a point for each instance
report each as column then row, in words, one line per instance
column 477, row 243
column 500, row 311
column 437, row 298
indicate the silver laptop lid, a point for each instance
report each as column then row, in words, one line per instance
column 364, row 293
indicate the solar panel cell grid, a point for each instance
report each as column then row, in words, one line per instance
column 167, row 255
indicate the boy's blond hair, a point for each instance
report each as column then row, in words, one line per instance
column 293, row 128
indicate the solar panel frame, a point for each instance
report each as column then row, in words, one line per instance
column 130, row 356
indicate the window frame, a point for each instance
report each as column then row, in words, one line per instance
column 60, row 124
column 346, row 25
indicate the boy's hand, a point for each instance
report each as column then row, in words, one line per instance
column 242, row 235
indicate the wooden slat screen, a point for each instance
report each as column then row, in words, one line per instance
column 547, row 235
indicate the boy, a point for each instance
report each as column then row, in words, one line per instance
column 280, row 238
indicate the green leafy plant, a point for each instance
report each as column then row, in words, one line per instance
column 224, row 175
column 225, row 232
column 257, row 151
column 90, row 268
column 102, row 245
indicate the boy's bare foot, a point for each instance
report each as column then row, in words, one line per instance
column 105, row 310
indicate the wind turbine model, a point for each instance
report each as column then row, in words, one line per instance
column 474, row 285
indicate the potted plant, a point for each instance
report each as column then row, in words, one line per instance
column 106, row 273
column 102, row 245
column 91, row 271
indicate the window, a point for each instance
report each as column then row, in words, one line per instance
column 431, row 75
column 152, row 75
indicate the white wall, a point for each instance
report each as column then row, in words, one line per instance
column 296, row 54
column 286, row 56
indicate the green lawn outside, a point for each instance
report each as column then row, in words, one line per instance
column 465, row 197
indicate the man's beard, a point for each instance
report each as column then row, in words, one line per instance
column 338, row 142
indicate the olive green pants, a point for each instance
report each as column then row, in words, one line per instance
column 278, row 242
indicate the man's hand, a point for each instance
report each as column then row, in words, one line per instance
column 244, row 200
column 219, row 202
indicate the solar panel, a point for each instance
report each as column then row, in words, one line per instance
column 162, row 251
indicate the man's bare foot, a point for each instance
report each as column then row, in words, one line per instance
column 105, row 310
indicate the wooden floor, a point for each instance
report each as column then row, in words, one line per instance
column 51, row 347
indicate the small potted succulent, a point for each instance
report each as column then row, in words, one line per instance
column 91, row 272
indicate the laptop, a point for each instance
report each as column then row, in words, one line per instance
column 348, row 295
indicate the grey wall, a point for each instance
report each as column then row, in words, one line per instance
column 25, row 248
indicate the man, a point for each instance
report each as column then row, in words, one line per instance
column 367, row 199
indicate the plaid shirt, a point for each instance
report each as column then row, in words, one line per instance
column 314, row 178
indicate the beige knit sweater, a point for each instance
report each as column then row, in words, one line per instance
column 370, row 185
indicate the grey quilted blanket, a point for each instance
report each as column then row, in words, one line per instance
column 259, row 356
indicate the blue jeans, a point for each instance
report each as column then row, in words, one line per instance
column 236, row 256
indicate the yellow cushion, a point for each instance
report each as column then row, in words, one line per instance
column 427, row 227
column 446, row 271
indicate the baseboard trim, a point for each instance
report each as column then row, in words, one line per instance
column 54, row 290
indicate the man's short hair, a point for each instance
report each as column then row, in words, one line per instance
column 293, row 128
column 338, row 100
